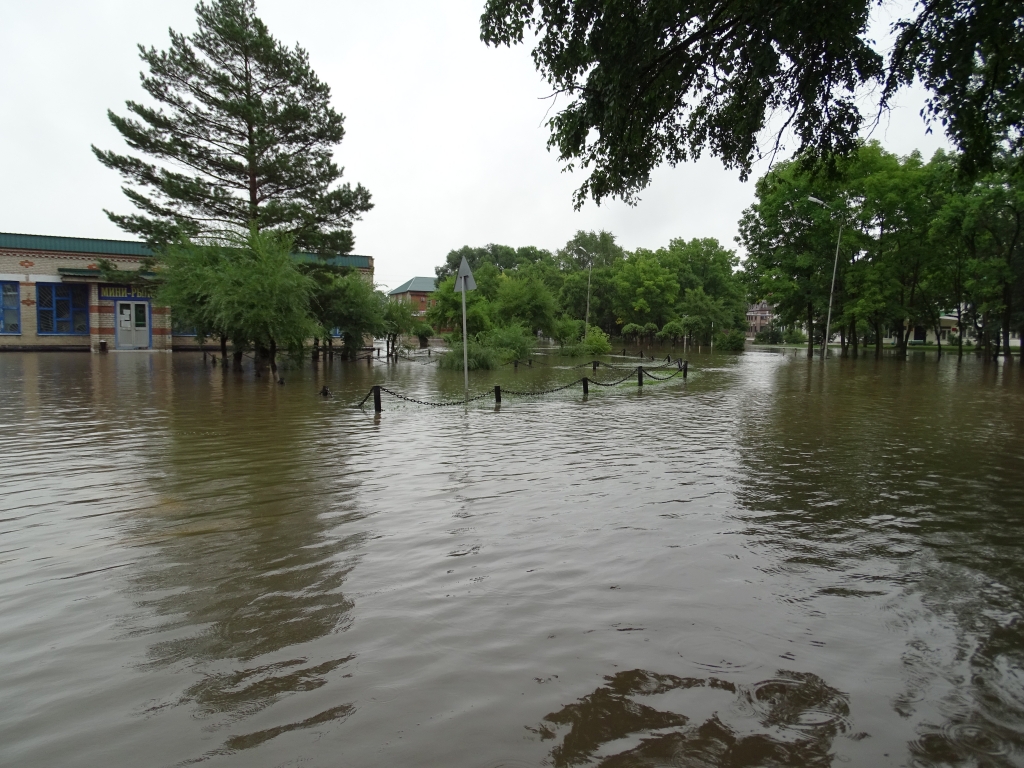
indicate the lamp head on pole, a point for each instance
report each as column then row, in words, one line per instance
column 813, row 199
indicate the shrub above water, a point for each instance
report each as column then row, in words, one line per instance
column 480, row 358
column 731, row 341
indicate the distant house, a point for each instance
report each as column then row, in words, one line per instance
column 759, row 317
column 417, row 292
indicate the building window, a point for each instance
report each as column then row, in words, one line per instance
column 62, row 309
column 10, row 308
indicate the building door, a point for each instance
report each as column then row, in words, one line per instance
column 132, row 325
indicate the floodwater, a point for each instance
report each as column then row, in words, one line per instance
column 774, row 563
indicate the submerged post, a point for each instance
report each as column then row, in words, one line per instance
column 515, row 365
column 376, row 399
column 686, row 364
column 586, row 386
column 497, row 394
column 639, row 375
column 596, row 363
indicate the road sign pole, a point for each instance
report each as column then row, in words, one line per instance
column 465, row 343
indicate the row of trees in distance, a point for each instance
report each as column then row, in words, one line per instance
column 687, row 290
column 919, row 241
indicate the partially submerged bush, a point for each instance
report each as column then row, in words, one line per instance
column 731, row 341
column 769, row 335
column 480, row 358
column 794, row 336
column 508, row 342
column 596, row 343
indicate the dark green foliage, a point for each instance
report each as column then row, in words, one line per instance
column 970, row 55
column 730, row 341
column 663, row 81
column 794, row 336
column 769, row 335
column 527, row 301
column 242, row 137
column 510, row 342
column 918, row 241
column 446, row 310
column 479, row 358
column 636, row 292
column 251, row 293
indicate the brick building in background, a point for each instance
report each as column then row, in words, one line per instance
column 52, row 296
column 417, row 292
column 759, row 317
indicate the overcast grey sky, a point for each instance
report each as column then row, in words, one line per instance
column 446, row 133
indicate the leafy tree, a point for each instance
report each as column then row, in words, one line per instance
column 706, row 264
column 242, row 137
column 185, row 287
column 259, row 298
column 528, row 301
column 327, row 290
column 398, row 320
column 584, row 246
column 501, row 256
column 646, row 291
column 446, row 309
column 701, row 314
column 356, row 311
column 790, row 244
column 664, row 81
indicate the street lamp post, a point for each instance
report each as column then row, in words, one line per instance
column 831, row 293
column 590, row 271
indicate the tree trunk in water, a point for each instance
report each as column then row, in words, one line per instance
column 273, row 359
column 901, row 339
column 316, row 350
column 853, row 337
column 1007, row 301
column 236, row 363
column 330, row 348
column 223, row 349
column 878, row 339
column 842, row 342
column 810, row 332
column 938, row 335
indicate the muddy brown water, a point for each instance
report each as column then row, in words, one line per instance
column 775, row 563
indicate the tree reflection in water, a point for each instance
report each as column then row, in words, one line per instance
column 790, row 720
column 248, row 555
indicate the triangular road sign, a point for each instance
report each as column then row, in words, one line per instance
column 464, row 272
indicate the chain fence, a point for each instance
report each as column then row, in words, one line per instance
column 639, row 372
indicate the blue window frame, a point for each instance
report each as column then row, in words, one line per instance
column 62, row 309
column 10, row 307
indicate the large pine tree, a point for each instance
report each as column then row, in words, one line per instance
column 242, row 138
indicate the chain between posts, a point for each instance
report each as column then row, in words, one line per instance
column 663, row 378
column 540, row 392
column 614, row 383
column 433, row 405
column 515, row 393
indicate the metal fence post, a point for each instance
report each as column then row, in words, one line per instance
column 376, row 399
column 686, row 364
column 586, row 386
column 596, row 363
column 639, row 375
column 497, row 394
